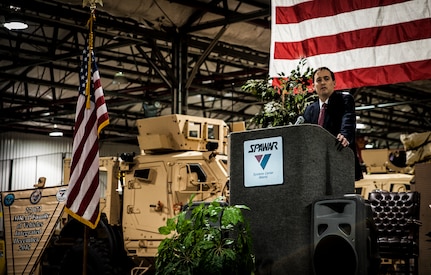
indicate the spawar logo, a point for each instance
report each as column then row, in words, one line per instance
column 263, row 147
column 263, row 160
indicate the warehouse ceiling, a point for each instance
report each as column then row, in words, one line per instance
column 179, row 56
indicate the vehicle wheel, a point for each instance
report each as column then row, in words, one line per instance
column 98, row 261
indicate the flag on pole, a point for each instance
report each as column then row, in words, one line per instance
column 91, row 117
column 365, row 42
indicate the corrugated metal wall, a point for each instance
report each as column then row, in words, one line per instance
column 26, row 157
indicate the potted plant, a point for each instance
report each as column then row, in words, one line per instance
column 285, row 98
column 206, row 238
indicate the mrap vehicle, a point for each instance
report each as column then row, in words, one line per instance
column 386, row 171
column 181, row 157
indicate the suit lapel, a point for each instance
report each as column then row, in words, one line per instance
column 316, row 112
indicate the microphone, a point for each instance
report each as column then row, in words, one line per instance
column 299, row 120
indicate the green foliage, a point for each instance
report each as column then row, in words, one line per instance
column 210, row 239
column 283, row 103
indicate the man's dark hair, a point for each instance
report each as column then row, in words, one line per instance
column 322, row 69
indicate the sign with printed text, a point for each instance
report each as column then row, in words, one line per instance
column 30, row 218
column 263, row 162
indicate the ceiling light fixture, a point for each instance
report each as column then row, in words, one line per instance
column 56, row 132
column 119, row 79
column 15, row 25
column 12, row 23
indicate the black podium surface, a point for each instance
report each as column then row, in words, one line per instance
column 279, row 172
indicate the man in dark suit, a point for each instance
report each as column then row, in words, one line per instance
column 337, row 110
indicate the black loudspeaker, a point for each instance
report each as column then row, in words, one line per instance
column 344, row 238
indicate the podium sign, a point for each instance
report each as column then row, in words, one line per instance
column 263, row 162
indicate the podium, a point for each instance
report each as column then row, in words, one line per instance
column 279, row 172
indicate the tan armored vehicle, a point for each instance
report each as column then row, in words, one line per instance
column 385, row 171
column 180, row 156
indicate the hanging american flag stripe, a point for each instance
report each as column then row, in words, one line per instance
column 84, row 191
column 364, row 42
column 393, row 34
column 305, row 10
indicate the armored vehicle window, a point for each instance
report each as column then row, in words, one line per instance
column 213, row 131
column 193, row 130
column 197, row 168
column 144, row 174
column 224, row 163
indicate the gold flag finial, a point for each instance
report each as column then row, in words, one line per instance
column 90, row 46
column 92, row 3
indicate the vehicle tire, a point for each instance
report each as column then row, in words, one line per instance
column 98, row 261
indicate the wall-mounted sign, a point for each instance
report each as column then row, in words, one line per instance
column 263, row 162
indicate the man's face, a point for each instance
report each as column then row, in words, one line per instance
column 323, row 84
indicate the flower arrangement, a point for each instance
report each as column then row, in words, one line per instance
column 285, row 97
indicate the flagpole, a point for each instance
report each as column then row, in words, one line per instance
column 90, row 53
column 88, row 95
column 86, row 208
column 85, row 251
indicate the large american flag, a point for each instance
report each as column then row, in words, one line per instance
column 91, row 116
column 365, row 42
